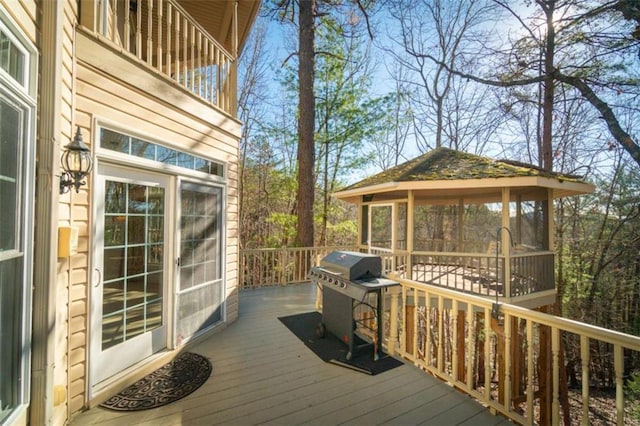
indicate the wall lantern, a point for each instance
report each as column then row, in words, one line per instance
column 76, row 163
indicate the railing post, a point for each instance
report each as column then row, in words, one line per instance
column 585, row 357
column 618, row 366
column 282, row 261
column 508, row 377
column 555, row 359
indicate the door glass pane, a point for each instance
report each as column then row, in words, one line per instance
column 11, row 294
column 10, row 136
column 12, row 281
column 199, row 238
column 133, row 261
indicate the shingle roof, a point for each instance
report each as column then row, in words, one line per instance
column 449, row 164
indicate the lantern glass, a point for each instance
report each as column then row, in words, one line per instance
column 76, row 162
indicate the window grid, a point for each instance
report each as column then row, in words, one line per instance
column 134, row 237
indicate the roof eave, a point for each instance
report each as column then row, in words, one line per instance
column 561, row 188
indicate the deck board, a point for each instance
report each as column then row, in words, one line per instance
column 262, row 374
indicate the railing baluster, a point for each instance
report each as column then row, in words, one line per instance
column 530, row 371
column 555, row 357
column 169, row 58
column 471, row 347
column 585, row 359
column 185, row 53
column 149, row 53
column 487, row 355
column 138, row 37
column 416, row 325
column 192, row 58
column 126, row 30
column 454, row 354
column 159, row 54
column 441, row 319
column 403, row 312
column 200, row 67
column 177, row 47
column 114, row 23
column 618, row 365
column 508, row 379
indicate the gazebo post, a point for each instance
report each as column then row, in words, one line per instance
column 461, row 247
column 518, row 234
column 550, row 225
column 410, row 228
column 505, row 243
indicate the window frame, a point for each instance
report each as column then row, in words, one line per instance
column 23, row 95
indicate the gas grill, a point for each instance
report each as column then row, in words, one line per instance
column 350, row 280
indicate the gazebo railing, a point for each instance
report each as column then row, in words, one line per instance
column 476, row 273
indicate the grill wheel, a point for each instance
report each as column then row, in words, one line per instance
column 321, row 330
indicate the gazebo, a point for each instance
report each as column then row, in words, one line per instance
column 465, row 222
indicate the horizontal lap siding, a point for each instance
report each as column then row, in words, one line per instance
column 73, row 209
column 152, row 109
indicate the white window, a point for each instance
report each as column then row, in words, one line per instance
column 17, row 141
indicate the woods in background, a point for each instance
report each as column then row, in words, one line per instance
column 552, row 83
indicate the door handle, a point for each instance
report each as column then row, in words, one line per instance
column 97, row 284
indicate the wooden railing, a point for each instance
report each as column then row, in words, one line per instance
column 476, row 273
column 533, row 367
column 513, row 359
column 165, row 37
column 480, row 274
column 279, row 266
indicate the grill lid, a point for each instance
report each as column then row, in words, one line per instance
column 352, row 265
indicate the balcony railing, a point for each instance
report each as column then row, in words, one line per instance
column 533, row 367
column 164, row 36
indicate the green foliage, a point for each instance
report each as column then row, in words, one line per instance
column 282, row 229
column 632, row 393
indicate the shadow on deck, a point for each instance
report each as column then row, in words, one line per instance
column 262, row 374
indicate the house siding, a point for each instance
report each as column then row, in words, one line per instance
column 164, row 113
column 71, row 325
column 90, row 89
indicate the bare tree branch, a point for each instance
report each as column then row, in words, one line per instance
column 609, row 117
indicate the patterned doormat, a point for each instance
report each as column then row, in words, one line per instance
column 169, row 383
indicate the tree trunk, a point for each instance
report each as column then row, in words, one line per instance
column 306, row 124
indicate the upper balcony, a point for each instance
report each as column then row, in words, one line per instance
column 193, row 43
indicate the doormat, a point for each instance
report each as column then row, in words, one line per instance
column 331, row 349
column 169, row 383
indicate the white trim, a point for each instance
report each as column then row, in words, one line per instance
column 117, row 173
column 24, row 45
column 24, row 97
column 177, row 175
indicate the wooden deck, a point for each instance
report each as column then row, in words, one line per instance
column 262, row 374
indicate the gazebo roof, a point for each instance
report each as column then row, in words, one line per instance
column 448, row 173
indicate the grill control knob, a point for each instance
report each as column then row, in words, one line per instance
column 342, row 285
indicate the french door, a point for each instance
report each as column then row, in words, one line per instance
column 132, row 265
